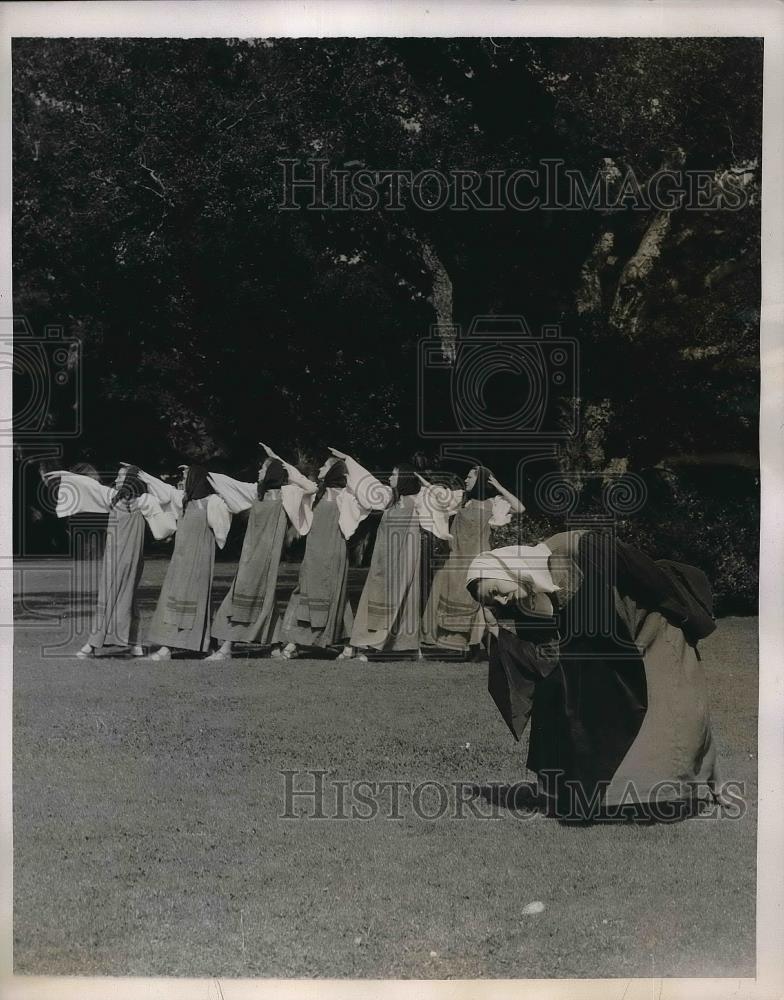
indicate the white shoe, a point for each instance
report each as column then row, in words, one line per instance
column 160, row 655
column 219, row 654
column 87, row 652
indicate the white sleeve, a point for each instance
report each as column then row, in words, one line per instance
column 169, row 497
column 237, row 496
column 350, row 513
column 298, row 505
column 218, row 518
column 296, row 478
column 79, row 494
column 434, row 507
column 369, row 491
column 453, row 499
column 162, row 523
column 501, row 512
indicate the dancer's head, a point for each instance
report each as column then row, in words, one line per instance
column 514, row 574
column 404, row 480
column 197, row 485
column 478, row 485
column 492, row 591
column 332, row 474
column 129, row 485
column 272, row 476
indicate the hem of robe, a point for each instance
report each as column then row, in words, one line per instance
column 386, row 640
column 450, row 640
column 455, row 638
column 265, row 631
column 104, row 637
column 302, row 633
column 196, row 639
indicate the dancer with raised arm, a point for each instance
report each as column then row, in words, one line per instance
column 319, row 614
column 282, row 496
column 117, row 620
column 389, row 615
column 453, row 620
column 182, row 616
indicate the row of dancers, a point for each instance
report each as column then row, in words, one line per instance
column 618, row 714
column 389, row 618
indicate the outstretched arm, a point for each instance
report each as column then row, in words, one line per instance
column 370, row 492
column 516, row 506
column 168, row 496
column 296, row 478
column 78, row 494
column 236, row 495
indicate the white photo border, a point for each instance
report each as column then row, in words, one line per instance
column 453, row 18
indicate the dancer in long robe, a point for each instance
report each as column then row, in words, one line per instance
column 282, row 496
column 319, row 614
column 389, row 615
column 453, row 620
column 597, row 644
column 117, row 621
column 182, row 615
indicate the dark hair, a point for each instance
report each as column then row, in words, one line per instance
column 336, row 476
column 131, row 488
column 473, row 589
column 197, row 486
column 275, row 476
column 482, row 488
column 407, row 483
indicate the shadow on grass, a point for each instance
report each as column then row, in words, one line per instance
column 522, row 797
column 525, row 798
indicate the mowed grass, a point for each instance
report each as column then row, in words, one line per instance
column 148, row 835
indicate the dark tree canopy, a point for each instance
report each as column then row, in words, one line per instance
column 146, row 221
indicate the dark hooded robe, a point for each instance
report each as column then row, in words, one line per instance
column 613, row 682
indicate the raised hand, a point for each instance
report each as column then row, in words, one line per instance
column 337, row 454
column 269, row 451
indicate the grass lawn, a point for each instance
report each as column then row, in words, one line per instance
column 148, row 837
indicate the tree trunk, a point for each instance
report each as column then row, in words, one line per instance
column 626, row 308
column 441, row 298
column 589, row 295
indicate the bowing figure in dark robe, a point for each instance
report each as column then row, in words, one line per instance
column 595, row 644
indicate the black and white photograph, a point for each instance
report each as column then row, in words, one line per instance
column 383, row 501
